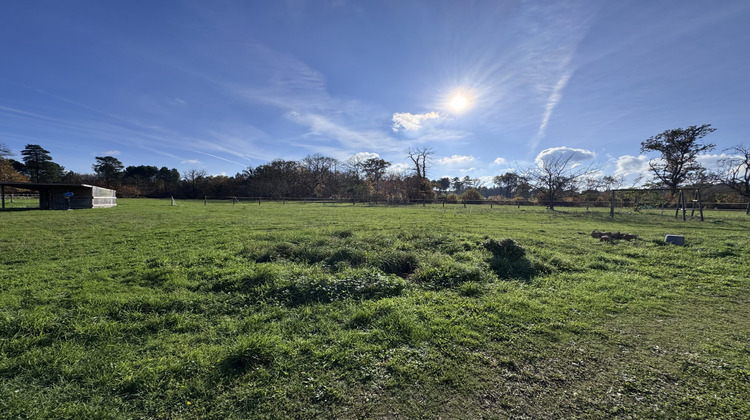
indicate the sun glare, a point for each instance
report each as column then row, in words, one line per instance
column 459, row 102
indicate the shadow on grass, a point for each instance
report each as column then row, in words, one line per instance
column 19, row 209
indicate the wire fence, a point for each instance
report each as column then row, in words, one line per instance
column 233, row 200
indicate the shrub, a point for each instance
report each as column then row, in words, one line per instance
column 471, row 195
column 453, row 198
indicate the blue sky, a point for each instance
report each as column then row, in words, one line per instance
column 224, row 85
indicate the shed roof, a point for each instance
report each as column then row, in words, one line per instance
column 40, row 185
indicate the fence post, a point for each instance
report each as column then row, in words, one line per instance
column 684, row 208
column 205, row 200
column 612, row 205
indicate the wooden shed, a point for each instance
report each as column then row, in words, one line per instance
column 58, row 196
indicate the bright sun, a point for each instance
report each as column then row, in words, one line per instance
column 459, row 102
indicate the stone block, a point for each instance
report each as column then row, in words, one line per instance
column 675, row 239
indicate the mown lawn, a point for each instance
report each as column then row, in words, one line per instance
column 338, row 311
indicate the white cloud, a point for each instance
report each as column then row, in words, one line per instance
column 712, row 162
column 111, row 153
column 499, row 161
column 456, row 160
column 631, row 165
column 363, row 156
column 467, row 170
column 486, row 180
column 574, row 155
column 190, row 161
column 411, row 122
column 398, row 168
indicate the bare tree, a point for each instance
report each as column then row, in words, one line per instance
column 355, row 164
column 193, row 176
column 610, row 182
column 735, row 170
column 556, row 172
column 420, row 156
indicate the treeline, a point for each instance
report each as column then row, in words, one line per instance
column 315, row 176
column 555, row 177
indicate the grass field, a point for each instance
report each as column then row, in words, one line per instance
column 338, row 311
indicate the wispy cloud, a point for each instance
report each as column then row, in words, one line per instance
column 219, row 157
column 554, row 99
column 499, row 161
column 106, row 127
column 190, row 162
column 352, row 139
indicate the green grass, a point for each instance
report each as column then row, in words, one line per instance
column 310, row 310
